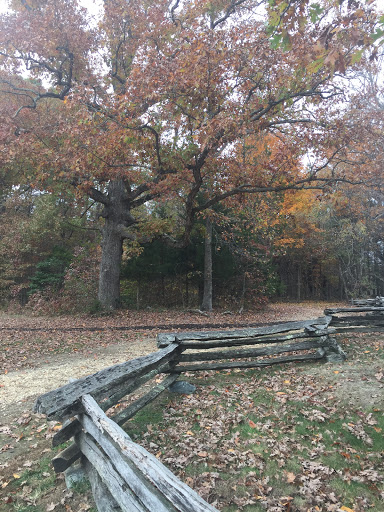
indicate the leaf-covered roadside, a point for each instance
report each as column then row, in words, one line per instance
column 296, row 438
column 27, row 341
column 27, row 480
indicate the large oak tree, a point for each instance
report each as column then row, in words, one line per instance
column 152, row 100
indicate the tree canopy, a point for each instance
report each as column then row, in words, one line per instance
column 189, row 103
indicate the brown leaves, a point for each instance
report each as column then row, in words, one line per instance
column 27, row 341
column 316, row 415
column 225, row 439
column 302, row 436
column 290, row 477
column 359, row 431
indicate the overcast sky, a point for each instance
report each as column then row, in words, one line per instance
column 89, row 4
column 92, row 4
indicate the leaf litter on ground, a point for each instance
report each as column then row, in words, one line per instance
column 299, row 437
column 280, row 439
column 25, row 340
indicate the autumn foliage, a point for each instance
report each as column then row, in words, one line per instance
column 185, row 104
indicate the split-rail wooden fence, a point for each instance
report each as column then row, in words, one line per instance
column 123, row 475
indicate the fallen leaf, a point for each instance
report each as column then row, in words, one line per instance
column 84, row 507
column 6, row 447
column 290, row 477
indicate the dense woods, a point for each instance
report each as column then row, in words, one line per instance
column 190, row 154
column 302, row 247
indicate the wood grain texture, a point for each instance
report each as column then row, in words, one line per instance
column 182, row 497
column 245, row 353
column 65, row 401
column 248, row 364
column 136, row 406
column 104, row 500
column 164, row 339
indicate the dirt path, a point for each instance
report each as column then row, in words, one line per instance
column 19, row 389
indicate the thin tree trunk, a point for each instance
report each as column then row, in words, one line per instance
column 243, row 290
column 138, row 295
column 186, row 290
column 208, row 288
column 299, row 283
column 348, row 296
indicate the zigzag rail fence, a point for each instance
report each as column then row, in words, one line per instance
column 123, row 475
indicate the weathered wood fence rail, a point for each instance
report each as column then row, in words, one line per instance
column 123, row 475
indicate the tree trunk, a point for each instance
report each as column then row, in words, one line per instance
column 243, row 290
column 115, row 214
column 207, row 294
column 109, row 277
column 299, row 283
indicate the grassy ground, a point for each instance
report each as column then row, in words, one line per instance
column 289, row 438
column 27, row 481
column 299, row 437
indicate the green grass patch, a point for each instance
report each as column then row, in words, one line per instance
column 266, row 441
column 43, row 475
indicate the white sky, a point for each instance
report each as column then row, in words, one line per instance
column 92, row 5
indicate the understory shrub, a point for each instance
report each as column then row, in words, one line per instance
column 79, row 286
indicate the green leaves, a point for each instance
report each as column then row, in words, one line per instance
column 315, row 11
column 357, row 56
column 377, row 35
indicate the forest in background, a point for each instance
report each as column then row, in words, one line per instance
column 301, row 245
column 190, row 154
